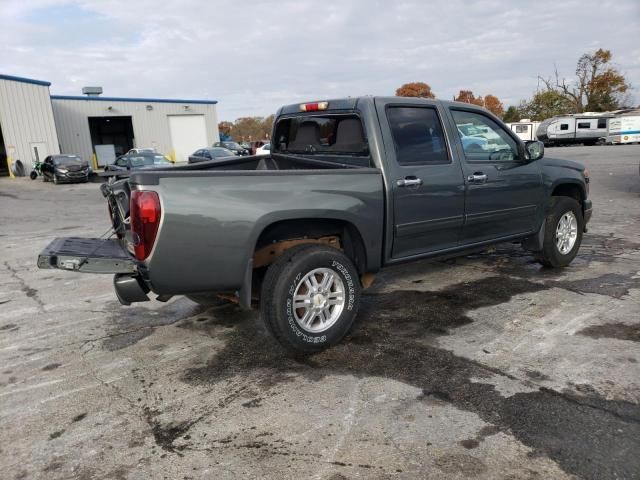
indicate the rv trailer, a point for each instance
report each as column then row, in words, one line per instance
column 586, row 128
column 525, row 129
column 625, row 127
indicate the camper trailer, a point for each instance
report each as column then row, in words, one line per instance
column 586, row 128
column 525, row 129
column 625, row 127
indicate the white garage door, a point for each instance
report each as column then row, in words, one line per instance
column 188, row 134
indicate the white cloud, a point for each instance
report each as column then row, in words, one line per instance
column 254, row 56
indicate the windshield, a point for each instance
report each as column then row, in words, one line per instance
column 470, row 130
column 231, row 145
column 146, row 160
column 68, row 160
column 220, row 152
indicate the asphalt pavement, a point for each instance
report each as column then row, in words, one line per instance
column 485, row 366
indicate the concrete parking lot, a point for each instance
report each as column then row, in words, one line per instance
column 486, row 366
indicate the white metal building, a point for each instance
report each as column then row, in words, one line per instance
column 27, row 127
column 109, row 126
column 35, row 124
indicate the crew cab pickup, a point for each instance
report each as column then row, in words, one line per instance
column 351, row 186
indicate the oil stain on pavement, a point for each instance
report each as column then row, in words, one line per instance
column 586, row 435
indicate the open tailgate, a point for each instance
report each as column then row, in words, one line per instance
column 90, row 255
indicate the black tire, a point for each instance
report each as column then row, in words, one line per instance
column 55, row 179
column 33, row 175
column 278, row 289
column 208, row 299
column 550, row 255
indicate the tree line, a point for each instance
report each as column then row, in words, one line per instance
column 247, row 129
column 598, row 86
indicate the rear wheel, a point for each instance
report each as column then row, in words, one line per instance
column 33, row 175
column 562, row 232
column 310, row 298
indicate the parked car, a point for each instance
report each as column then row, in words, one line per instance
column 212, row 153
column 141, row 150
column 235, row 147
column 351, row 186
column 264, row 149
column 65, row 168
column 256, row 145
column 138, row 161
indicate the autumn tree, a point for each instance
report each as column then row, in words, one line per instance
column 225, row 128
column 598, row 86
column 415, row 89
column 494, row 105
column 467, row 96
column 512, row 115
column 490, row 102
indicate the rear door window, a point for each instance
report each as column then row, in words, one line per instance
column 417, row 136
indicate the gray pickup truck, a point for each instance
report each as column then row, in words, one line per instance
column 351, row 186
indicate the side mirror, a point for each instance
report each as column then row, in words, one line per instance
column 535, row 150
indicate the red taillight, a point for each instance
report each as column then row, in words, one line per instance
column 145, row 219
column 314, row 107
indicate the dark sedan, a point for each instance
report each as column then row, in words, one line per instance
column 235, row 147
column 137, row 161
column 213, row 153
column 65, row 168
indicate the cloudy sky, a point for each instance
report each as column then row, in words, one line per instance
column 254, row 56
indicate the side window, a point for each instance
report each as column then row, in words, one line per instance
column 564, row 126
column 584, row 124
column 417, row 135
column 602, row 123
column 483, row 140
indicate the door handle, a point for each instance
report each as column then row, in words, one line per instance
column 477, row 177
column 409, row 182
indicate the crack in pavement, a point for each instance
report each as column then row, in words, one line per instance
column 24, row 287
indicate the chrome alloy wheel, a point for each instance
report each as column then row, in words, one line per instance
column 566, row 232
column 318, row 300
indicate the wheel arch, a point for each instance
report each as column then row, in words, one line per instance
column 351, row 240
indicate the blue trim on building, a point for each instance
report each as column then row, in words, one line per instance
column 25, row 80
column 87, row 98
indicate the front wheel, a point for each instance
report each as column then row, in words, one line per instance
column 55, row 179
column 563, row 229
column 310, row 298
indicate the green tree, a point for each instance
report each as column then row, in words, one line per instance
column 545, row 104
column 512, row 115
column 415, row 89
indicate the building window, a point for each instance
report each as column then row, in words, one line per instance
column 522, row 128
